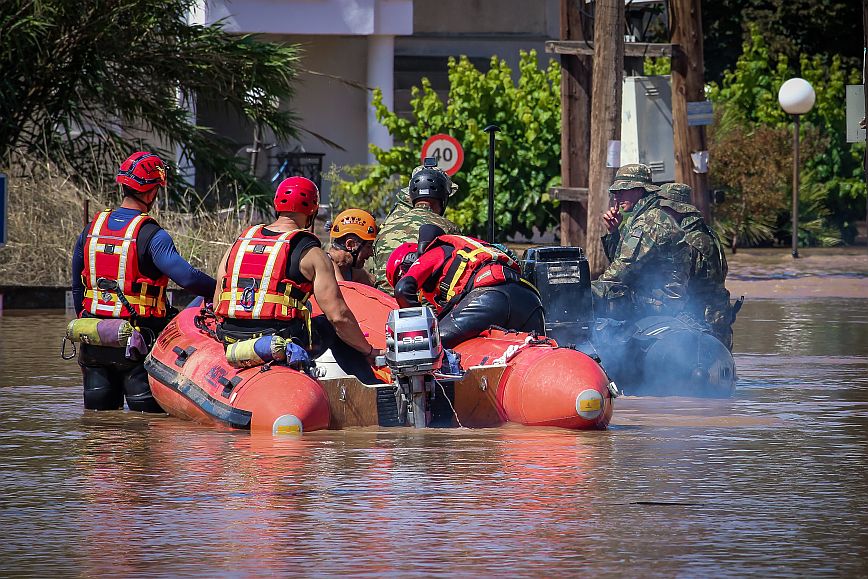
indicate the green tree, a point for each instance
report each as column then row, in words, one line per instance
column 528, row 146
column 832, row 192
column 789, row 28
column 83, row 81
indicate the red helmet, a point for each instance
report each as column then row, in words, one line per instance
column 142, row 171
column 400, row 261
column 297, row 195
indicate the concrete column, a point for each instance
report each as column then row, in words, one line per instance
column 381, row 74
column 196, row 14
column 186, row 169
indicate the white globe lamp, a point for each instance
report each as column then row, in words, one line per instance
column 796, row 96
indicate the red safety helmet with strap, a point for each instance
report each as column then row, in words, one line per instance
column 256, row 286
column 142, row 171
column 297, row 195
column 399, row 262
column 472, row 264
column 113, row 282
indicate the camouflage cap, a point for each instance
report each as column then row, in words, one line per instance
column 677, row 192
column 634, row 176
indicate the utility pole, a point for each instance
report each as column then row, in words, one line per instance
column 688, row 85
column 575, row 129
column 608, row 73
column 865, row 91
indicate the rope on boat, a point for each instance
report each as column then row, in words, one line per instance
column 455, row 414
column 206, row 313
column 531, row 340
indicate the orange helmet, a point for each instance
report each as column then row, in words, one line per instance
column 354, row 221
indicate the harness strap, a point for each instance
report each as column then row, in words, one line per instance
column 139, row 300
column 264, row 298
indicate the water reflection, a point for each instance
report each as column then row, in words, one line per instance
column 769, row 482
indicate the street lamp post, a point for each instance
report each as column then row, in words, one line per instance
column 796, row 97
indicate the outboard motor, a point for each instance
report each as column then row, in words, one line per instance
column 563, row 278
column 413, row 353
column 665, row 356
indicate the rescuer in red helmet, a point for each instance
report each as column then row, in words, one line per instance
column 352, row 236
column 267, row 276
column 400, row 261
column 121, row 265
column 471, row 285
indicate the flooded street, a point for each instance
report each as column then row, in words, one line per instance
column 771, row 482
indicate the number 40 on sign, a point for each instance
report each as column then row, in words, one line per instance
column 447, row 150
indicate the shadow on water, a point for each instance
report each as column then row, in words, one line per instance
column 771, row 481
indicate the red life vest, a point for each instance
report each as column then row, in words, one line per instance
column 255, row 286
column 472, row 264
column 113, row 256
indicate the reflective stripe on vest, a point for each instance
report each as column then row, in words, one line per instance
column 114, row 256
column 253, row 282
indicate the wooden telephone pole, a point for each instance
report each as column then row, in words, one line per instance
column 575, row 130
column 608, row 73
column 688, row 85
column 865, row 91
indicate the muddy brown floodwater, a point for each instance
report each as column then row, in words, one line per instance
column 771, row 482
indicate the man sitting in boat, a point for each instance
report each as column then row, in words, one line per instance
column 707, row 297
column 121, row 265
column 352, row 239
column 471, row 285
column 267, row 276
column 650, row 260
column 424, row 201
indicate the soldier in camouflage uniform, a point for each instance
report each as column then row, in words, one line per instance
column 424, row 201
column 650, row 260
column 708, row 299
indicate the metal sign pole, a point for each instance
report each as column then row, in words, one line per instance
column 796, row 186
column 491, row 130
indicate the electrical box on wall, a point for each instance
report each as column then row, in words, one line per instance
column 646, row 125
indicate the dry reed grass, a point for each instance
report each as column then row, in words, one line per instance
column 46, row 216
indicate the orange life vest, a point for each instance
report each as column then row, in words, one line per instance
column 472, row 264
column 113, row 256
column 255, row 286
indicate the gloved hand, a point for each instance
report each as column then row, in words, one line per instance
column 451, row 363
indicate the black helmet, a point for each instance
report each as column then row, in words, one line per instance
column 430, row 184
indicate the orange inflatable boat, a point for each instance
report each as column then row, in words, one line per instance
column 507, row 377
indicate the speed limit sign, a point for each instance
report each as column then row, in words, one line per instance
column 446, row 150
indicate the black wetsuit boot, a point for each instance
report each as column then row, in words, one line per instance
column 109, row 377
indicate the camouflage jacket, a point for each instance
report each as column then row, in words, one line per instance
column 709, row 260
column 402, row 225
column 666, row 260
column 708, row 298
column 650, row 257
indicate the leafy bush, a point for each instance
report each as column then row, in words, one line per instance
column 378, row 200
column 752, row 162
column 528, row 146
